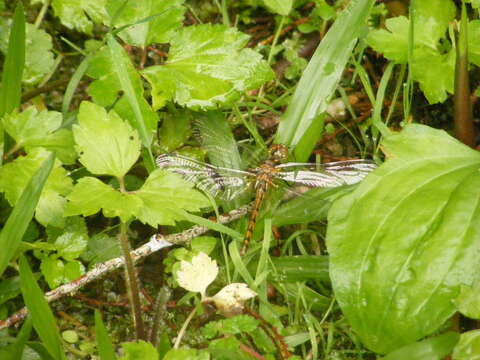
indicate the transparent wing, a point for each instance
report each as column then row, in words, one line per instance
column 220, row 182
column 325, row 175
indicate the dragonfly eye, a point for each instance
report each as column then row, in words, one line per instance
column 278, row 153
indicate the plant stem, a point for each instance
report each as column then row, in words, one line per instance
column 184, row 328
column 41, row 14
column 132, row 284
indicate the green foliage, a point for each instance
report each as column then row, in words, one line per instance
column 187, row 354
column 232, row 326
column 160, row 20
column 101, row 248
column 433, row 66
column 22, row 214
column 15, row 175
column 467, row 301
column 32, row 129
column 435, row 348
column 282, row 7
column 468, row 347
column 139, row 350
column 397, row 278
column 78, row 15
column 42, row 317
column 106, row 144
column 105, row 346
column 191, row 76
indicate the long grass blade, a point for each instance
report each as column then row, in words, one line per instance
column 22, row 214
column 42, row 316
column 105, row 346
column 322, row 74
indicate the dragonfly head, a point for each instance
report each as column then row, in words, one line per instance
column 278, row 153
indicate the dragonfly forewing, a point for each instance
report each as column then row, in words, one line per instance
column 222, row 183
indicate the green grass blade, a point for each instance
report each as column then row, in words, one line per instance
column 121, row 69
column 22, row 214
column 105, row 346
column 42, row 317
column 211, row 225
column 72, row 85
column 15, row 350
column 322, row 74
column 14, row 64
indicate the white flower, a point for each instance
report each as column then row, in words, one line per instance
column 197, row 275
column 231, row 299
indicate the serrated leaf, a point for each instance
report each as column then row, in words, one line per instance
column 282, row 7
column 74, row 224
column 197, row 274
column 79, row 14
column 164, row 17
column 468, row 347
column 106, row 89
column 106, row 144
column 163, row 195
column 186, row 354
column 90, row 195
column 139, row 350
column 31, row 129
column 15, row 175
column 71, row 245
column 397, row 277
column 159, row 201
column 39, row 58
column 207, row 66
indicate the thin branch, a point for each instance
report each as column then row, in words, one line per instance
column 157, row 242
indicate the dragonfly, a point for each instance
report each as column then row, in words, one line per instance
column 228, row 183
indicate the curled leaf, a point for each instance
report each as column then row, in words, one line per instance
column 231, row 299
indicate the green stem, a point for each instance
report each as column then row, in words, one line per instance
column 132, row 284
column 41, row 14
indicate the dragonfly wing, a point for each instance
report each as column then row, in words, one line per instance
column 223, row 183
column 325, row 175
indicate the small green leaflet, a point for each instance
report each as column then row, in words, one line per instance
column 158, row 202
column 38, row 52
column 207, row 66
column 282, row 7
column 32, row 129
column 432, row 68
column 58, row 272
column 164, row 17
column 396, row 280
column 15, row 175
column 139, row 350
column 106, row 88
column 106, row 144
column 78, row 14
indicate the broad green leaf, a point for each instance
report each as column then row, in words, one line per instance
column 468, row 347
column 73, row 224
column 323, row 72
column 15, row 175
column 473, row 43
column 79, row 14
column 207, row 66
column 435, row 348
column 397, row 255
column 106, row 144
column 282, row 7
column 39, row 59
column 105, row 346
column 13, row 67
column 13, row 230
column 175, row 130
column 205, row 244
column 90, row 195
column 468, row 301
column 107, row 90
column 58, row 272
column 139, row 350
column 164, row 17
column 158, row 202
column 42, row 317
column 31, row 129
column 101, row 248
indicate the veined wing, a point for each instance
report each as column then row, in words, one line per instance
column 220, row 182
column 325, row 175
